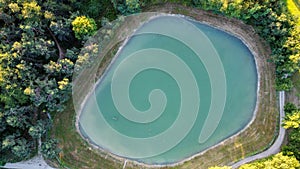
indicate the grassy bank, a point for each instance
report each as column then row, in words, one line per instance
column 75, row 151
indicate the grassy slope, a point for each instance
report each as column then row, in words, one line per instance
column 76, row 153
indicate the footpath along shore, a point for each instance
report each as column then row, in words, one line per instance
column 275, row 148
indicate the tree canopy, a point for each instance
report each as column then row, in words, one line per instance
column 35, row 72
column 291, row 122
column 278, row 161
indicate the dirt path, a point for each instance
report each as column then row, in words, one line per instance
column 36, row 162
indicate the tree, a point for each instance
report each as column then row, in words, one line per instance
column 50, row 149
column 292, row 120
column 289, row 108
column 95, row 9
column 21, row 148
column 36, row 66
column 133, row 6
column 83, row 26
column 292, row 43
column 293, row 146
column 127, row 7
column 38, row 130
column 278, row 161
column 274, row 24
column 213, row 5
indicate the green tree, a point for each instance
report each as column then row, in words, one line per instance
column 21, row 149
column 289, row 108
column 293, row 146
column 291, row 122
column 36, row 65
column 84, row 26
column 50, row 148
column 127, row 7
column 39, row 129
column 213, row 5
column 274, row 24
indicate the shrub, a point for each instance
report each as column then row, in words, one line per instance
column 83, row 27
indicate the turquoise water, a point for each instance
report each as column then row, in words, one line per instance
column 126, row 134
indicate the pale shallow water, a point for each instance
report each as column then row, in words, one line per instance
column 128, row 136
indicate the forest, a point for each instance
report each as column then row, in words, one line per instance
column 41, row 42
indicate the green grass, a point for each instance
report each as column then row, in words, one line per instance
column 75, row 151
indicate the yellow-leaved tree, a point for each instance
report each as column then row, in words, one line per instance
column 83, row 26
column 278, row 161
column 292, row 120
